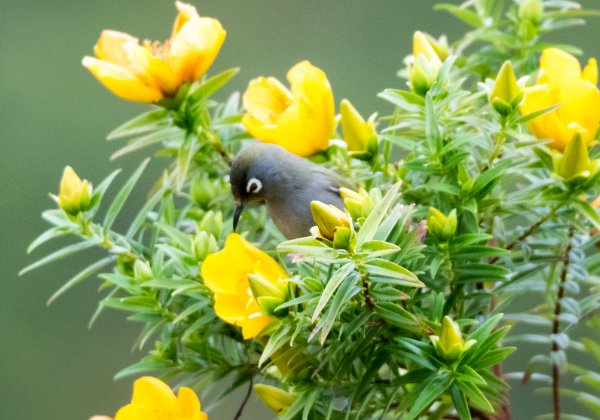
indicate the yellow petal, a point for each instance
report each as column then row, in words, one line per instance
column 547, row 126
column 266, row 99
column 70, row 183
column 264, row 132
column 121, row 81
column 153, row 393
column 135, row 412
column 581, row 105
column 219, row 271
column 117, row 48
column 253, row 326
column 188, row 402
column 590, row 72
column 186, row 13
column 231, row 308
column 194, row 47
column 559, row 67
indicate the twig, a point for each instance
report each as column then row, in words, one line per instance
column 238, row 414
column 556, row 325
column 529, row 231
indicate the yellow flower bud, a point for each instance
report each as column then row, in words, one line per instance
column 422, row 45
column 441, row 226
column 328, row 219
column 531, row 10
column 575, row 161
column 358, row 133
column 358, row 203
column 74, row 194
column 505, row 90
column 276, row 399
column 450, row 343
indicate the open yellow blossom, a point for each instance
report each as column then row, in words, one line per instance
column 561, row 81
column 300, row 120
column 152, row 71
column 226, row 274
column 153, row 400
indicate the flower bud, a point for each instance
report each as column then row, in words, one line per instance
column 204, row 189
column 358, row 204
column 450, row 344
column 422, row 75
column 329, row 218
column 358, row 133
column 531, row 10
column 267, row 294
column 575, row 161
column 441, row 226
column 276, row 399
column 142, row 270
column 204, row 244
column 212, row 223
column 527, row 30
column 505, row 90
column 74, row 194
column 422, row 45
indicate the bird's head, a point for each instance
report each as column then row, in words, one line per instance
column 252, row 175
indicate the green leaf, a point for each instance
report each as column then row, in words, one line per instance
column 58, row 255
column 526, row 118
column 213, row 84
column 428, row 392
column 101, row 189
column 52, row 233
column 332, row 285
column 82, row 275
column 467, row 16
column 460, row 403
column 142, row 123
column 379, row 248
column 276, row 341
column 158, row 136
column 147, row 364
column 384, row 271
column 588, row 211
column 119, row 201
column 143, row 213
column 432, row 131
column 306, row 246
column 371, row 224
column 477, row 398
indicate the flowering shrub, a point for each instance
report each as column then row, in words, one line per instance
column 478, row 191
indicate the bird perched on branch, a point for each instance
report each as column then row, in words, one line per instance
column 268, row 174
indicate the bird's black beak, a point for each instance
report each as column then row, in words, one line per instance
column 239, row 207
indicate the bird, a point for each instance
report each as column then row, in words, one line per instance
column 267, row 174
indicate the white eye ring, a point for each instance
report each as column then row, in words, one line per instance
column 254, row 186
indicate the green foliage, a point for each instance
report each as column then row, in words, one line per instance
column 353, row 338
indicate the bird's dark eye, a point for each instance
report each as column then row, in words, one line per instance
column 253, row 186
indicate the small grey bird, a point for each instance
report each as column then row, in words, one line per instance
column 268, row 174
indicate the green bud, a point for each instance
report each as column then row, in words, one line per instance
column 575, row 161
column 441, row 226
column 142, row 270
column 527, row 30
column 212, row 223
column 74, row 194
column 268, row 295
column 204, row 244
column 344, row 238
column 276, row 399
column 422, row 75
column 505, row 90
column 531, row 10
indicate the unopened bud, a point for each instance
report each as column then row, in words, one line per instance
column 142, row 270
column 422, row 45
column 506, row 90
column 422, row 75
column 441, row 226
column 450, row 344
column 328, row 218
column 358, row 133
column 276, row 399
column 531, row 10
column 204, row 244
column 212, row 223
column 575, row 161
column 74, row 194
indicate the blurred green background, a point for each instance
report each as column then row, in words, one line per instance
column 54, row 113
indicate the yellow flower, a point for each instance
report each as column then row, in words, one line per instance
column 561, row 81
column 74, row 194
column 300, row 121
column 226, row 274
column 154, row 400
column 152, row 71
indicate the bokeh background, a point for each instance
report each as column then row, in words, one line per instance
column 54, row 113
